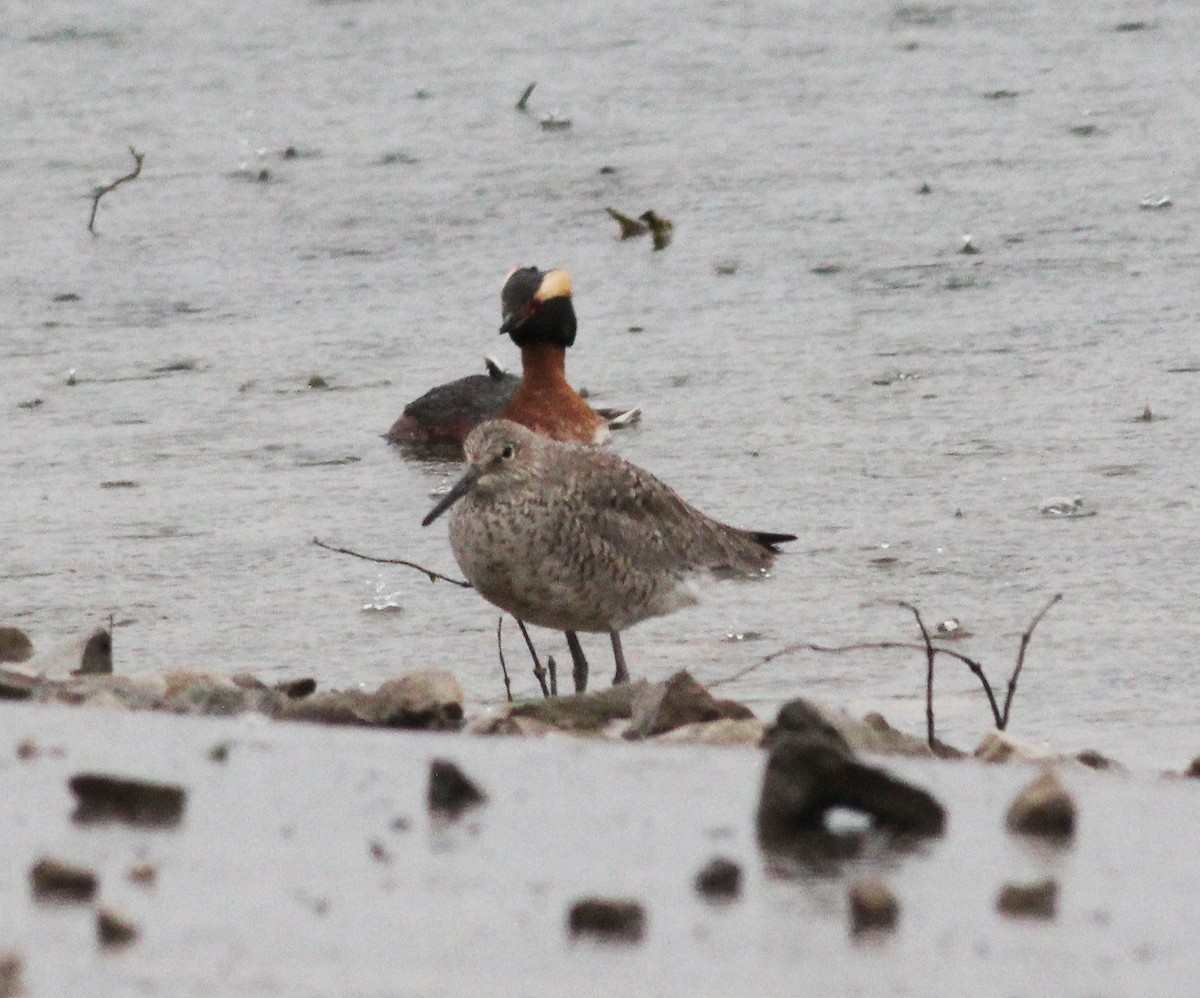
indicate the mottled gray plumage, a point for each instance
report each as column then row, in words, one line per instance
column 577, row 539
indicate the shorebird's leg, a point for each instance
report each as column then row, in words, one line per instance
column 579, row 664
column 622, row 675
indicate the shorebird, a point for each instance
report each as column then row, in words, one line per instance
column 577, row 539
column 539, row 316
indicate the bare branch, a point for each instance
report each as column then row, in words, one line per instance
column 500, row 649
column 101, row 191
column 1002, row 721
column 539, row 672
column 929, row 656
column 433, row 576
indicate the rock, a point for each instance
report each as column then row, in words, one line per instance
column 720, row 880
column 11, row 966
column 105, row 700
column 54, row 880
column 723, row 732
column 804, row 719
column 1095, row 760
column 583, row 713
column 1000, row 747
column 333, row 707
column 451, row 791
column 418, row 700
column 213, row 694
column 873, row 906
column 15, row 645
column 613, row 920
column 1035, row 900
column 143, row 874
column 509, row 724
column 1043, row 808
column 27, row 748
column 97, row 656
column 297, row 689
column 428, row 701
column 131, row 802
column 114, row 929
column 805, row 778
column 17, row 685
column 680, row 700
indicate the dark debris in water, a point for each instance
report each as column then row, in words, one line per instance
column 70, row 35
column 922, row 15
column 397, row 158
column 1001, row 94
column 176, row 366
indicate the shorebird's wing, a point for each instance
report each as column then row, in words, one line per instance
column 637, row 516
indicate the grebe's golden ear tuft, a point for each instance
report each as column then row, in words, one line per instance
column 556, row 284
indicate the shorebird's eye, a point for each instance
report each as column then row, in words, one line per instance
column 508, row 451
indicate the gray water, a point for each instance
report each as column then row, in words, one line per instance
column 862, row 408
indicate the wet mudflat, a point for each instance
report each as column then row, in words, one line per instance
column 813, row 353
column 309, row 863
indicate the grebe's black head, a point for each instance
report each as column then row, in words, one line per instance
column 537, row 307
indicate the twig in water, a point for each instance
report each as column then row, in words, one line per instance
column 999, row 717
column 500, row 649
column 1012, row 682
column 523, row 103
column 433, row 576
column 539, row 671
column 101, row 191
column 929, row 656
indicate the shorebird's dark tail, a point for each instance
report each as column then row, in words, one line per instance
column 769, row 540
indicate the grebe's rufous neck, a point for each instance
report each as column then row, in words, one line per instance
column 540, row 317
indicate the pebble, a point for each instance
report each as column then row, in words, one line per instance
column 451, row 791
column 114, row 929
column 1043, row 808
column 1036, row 900
column 15, row 645
column 55, row 880
column 873, row 906
column 11, row 967
column 720, row 880
column 610, row 919
column 131, row 802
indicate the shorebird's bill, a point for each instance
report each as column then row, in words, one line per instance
column 461, row 488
